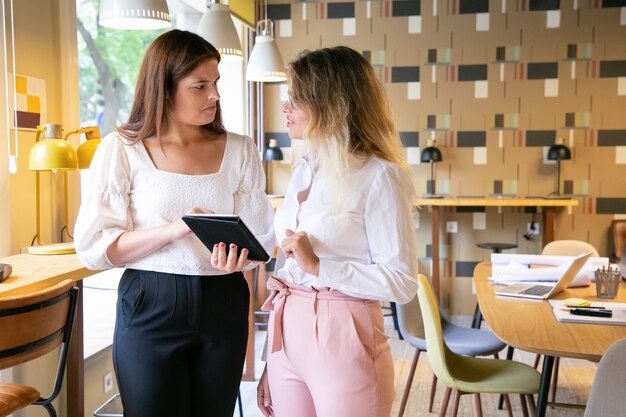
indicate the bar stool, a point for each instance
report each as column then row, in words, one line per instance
column 495, row 247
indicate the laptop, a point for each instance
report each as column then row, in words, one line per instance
column 543, row 291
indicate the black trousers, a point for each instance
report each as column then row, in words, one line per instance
column 180, row 343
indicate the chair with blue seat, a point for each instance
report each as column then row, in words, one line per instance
column 461, row 340
column 466, row 374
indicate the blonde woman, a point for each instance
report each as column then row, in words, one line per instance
column 347, row 234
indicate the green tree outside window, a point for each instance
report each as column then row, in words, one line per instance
column 108, row 62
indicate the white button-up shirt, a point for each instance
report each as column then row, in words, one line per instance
column 364, row 237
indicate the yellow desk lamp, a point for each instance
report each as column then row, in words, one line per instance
column 54, row 153
column 50, row 154
column 85, row 153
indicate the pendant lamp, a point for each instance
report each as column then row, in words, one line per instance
column 265, row 63
column 217, row 27
column 134, row 14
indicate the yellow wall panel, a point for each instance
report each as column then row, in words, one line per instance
column 244, row 10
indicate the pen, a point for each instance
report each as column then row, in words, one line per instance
column 594, row 313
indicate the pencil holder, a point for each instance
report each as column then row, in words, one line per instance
column 607, row 282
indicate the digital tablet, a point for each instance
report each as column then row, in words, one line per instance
column 212, row 229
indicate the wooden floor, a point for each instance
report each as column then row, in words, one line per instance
column 575, row 378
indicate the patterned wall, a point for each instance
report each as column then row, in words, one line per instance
column 494, row 83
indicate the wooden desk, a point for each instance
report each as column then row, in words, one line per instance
column 530, row 325
column 35, row 272
column 548, row 206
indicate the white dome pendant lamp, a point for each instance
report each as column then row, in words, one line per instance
column 265, row 63
column 217, row 27
column 134, row 14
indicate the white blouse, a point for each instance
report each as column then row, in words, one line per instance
column 127, row 192
column 366, row 242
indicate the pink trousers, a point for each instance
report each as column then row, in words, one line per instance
column 328, row 354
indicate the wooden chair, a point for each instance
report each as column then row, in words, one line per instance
column 618, row 239
column 31, row 326
column 469, row 375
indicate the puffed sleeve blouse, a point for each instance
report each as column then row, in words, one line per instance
column 126, row 192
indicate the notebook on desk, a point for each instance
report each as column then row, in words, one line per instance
column 617, row 319
column 545, row 291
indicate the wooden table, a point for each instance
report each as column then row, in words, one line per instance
column 548, row 206
column 35, row 272
column 530, row 325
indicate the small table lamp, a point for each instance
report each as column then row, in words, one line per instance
column 271, row 153
column 431, row 154
column 50, row 154
column 559, row 152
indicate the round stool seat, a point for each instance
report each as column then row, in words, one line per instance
column 496, row 247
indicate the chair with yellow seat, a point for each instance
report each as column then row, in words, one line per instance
column 470, row 375
column 31, row 326
column 461, row 340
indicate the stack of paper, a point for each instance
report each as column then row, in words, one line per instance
column 512, row 268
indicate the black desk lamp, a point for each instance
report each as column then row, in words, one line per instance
column 559, row 152
column 431, row 154
column 271, row 153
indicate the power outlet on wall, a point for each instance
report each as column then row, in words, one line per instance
column 452, row 227
column 108, row 382
column 532, row 228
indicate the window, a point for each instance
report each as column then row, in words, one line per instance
column 109, row 61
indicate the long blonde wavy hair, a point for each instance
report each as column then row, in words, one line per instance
column 348, row 109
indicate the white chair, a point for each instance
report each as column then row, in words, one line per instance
column 607, row 397
column 564, row 248
column 568, row 248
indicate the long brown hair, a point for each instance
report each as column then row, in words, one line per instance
column 348, row 108
column 169, row 58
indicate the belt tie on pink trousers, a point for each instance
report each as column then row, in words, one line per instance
column 276, row 303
